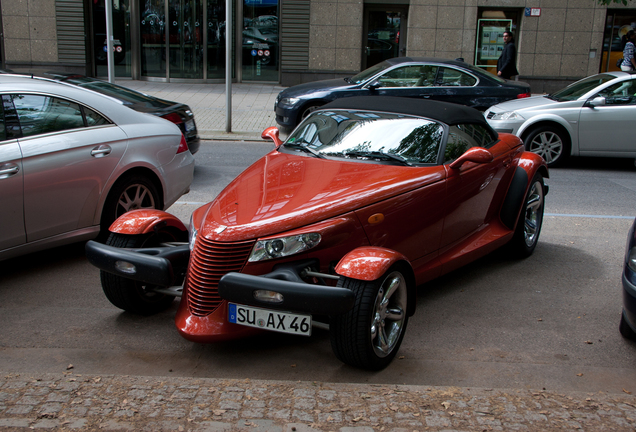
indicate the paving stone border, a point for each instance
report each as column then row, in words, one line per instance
column 71, row 402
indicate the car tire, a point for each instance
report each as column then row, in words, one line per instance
column 130, row 295
column 526, row 234
column 549, row 142
column 308, row 110
column 368, row 336
column 129, row 193
column 626, row 331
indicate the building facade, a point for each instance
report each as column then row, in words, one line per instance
column 294, row 41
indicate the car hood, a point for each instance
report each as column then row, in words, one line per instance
column 316, row 86
column 283, row 191
column 524, row 103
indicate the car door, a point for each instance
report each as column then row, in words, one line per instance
column 609, row 128
column 11, row 187
column 69, row 152
column 474, row 191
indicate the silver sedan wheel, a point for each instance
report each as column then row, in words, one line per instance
column 548, row 145
column 134, row 197
column 390, row 314
column 534, row 211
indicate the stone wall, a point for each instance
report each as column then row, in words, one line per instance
column 30, row 35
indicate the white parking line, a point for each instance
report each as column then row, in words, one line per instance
column 588, row 216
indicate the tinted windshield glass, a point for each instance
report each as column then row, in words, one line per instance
column 368, row 73
column 361, row 135
column 579, row 88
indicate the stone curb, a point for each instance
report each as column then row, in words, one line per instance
column 69, row 402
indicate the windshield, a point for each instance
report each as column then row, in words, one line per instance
column 369, row 136
column 578, row 89
column 368, row 73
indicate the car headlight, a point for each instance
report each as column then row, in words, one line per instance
column 631, row 259
column 283, row 246
column 288, row 101
column 193, row 235
column 508, row 115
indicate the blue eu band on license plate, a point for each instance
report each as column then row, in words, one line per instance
column 284, row 322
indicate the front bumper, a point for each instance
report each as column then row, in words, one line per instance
column 629, row 298
column 286, row 117
column 158, row 266
column 298, row 296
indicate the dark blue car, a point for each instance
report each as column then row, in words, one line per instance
column 427, row 78
column 628, row 318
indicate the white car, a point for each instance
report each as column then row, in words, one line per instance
column 591, row 117
column 73, row 160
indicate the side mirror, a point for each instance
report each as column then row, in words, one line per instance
column 272, row 134
column 374, row 85
column 597, row 101
column 477, row 155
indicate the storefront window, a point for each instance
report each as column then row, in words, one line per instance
column 617, row 24
column 491, row 26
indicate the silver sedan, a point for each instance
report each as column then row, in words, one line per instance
column 591, row 117
column 73, row 160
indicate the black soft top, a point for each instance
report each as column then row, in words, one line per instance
column 445, row 112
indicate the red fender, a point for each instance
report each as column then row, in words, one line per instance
column 368, row 263
column 145, row 221
column 531, row 163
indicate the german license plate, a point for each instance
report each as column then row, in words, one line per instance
column 284, row 322
column 189, row 125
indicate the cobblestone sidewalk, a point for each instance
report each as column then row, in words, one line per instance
column 69, row 402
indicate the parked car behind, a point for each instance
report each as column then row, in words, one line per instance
column 421, row 78
column 627, row 326
column 591, row 117
column 73, row 160
column 178, row 113
column 367, row 199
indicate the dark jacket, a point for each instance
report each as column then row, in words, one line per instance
column 507, row 61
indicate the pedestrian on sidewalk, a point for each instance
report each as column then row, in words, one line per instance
column 629, row 63
column 506, row 64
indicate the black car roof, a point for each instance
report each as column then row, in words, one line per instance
column 446, row 112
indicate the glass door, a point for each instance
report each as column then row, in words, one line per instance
column 184, row 31
column 384, row 34
column 121, row 37
column 260, row 40
column 216, row 39
column 153, row 38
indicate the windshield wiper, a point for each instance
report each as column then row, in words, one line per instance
column 347, row 79
column 304, row 148
column 378, row 155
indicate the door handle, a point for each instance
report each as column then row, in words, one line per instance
column 101, row 151
column 8, row 170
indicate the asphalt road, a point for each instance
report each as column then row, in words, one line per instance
column 550, row 321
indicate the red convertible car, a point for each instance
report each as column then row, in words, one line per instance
column 367, row 199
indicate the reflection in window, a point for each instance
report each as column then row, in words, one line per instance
column 3, row 131
column 453, row 77
column 623, row 93
column 340, row 133
column 44, row 114
column 94, row 119
column 462, row 137
column 407, row 76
